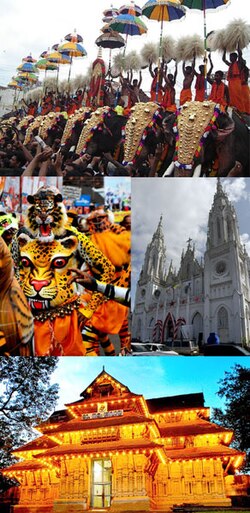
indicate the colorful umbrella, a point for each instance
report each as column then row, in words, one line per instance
column 46, row 65
column 72, row 49
column 163, row 10
column 28, row 67
column 74, row 37
column 58, row 58
column 15, row 85
column 125, row 9
column 29, row 58
column 203, row 5
column 128, row 24
column 110, row 13
column 28, row 77
column 110, row 40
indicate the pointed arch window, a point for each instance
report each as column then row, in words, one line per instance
column 222, row 318
column 218, row 228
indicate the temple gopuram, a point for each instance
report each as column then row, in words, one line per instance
column 112, row 450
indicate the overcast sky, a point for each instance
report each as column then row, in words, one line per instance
column 184, row 205
column 152, row 377
column 28, row 26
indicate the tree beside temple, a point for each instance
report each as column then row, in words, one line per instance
column 235, row 389
column 26, row 398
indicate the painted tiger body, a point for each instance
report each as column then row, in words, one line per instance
column 16, row 322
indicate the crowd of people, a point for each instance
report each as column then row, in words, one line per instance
column 32, row 159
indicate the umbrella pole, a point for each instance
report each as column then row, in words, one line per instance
column 159, row 61
column 57, row 79
column 205, row 47
column 71, row 59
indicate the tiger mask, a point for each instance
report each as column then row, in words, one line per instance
column 47, row 215
column 44, row 273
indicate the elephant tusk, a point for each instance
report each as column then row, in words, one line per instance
column 169, row 170
column 197, row 171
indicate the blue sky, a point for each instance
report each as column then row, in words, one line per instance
column 152, row 377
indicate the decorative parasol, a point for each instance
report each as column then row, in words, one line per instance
column 203, row 5
column 74, row 37
column 28, row 77
column 110, row 13
column 110, row 40
column 15, row 85
column 46, row 64
column 28, row 67
column 29, row 58
column 58, row 58
column 128, row 24
column 125, row 9
column 163, row 10
column 72, row 49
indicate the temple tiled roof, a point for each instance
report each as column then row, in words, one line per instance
column 201, row 452
column 117, row 445
column 176, row 402
column 42, row 442
column 24, row 465
column 200, row 427
column 88, row 400
column 81, row 425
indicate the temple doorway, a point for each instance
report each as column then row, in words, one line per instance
column 101, row 483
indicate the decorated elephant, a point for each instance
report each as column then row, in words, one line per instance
column 102, row 132
column 209, row 142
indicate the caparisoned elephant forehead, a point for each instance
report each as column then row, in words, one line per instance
column 49, row 121
column 192, row 123
column 79, row 115
column 33, row 126
column 141, row 115
column 24, row 123
column 96, row 118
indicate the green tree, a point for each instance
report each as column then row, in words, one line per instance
column 235, row 390
column 26, row 398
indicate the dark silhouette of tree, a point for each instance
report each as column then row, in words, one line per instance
column 235, row 389
column 26, row 398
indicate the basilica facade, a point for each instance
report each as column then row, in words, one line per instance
column 210, row 295
column 113, row 450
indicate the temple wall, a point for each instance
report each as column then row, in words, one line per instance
column 190, row 481
column 130, row 483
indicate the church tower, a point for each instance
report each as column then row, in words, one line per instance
column 151, row 281
column 227, row 293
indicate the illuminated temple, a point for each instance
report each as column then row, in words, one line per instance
column 113, row 450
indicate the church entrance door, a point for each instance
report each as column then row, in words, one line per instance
column 223, row 330
column 101, row 484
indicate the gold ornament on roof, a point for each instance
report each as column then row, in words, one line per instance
column 141, row 115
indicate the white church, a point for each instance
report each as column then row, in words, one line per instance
column 207, row 296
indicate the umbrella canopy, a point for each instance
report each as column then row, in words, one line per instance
column 128, row 24
column 201, row 4
column 58, row 58
column 46, row 64
column 29, row 58
column 15, row 85
column 110, row 40
column 163, row 10
column 76, row 38
column 126, row 9
column 27, row 67
column 109, row 14
column 28, row 77
column 73, row 49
